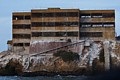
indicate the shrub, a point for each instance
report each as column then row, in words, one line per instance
column 66, row 55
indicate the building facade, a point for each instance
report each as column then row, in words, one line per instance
column 55, row 24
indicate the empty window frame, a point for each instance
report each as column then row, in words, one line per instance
column 108, row 15
column 52, row 24
column 21, row 26
column 87, row 24
column 36, row 34
column 18, row 17
column 54, row 34
column 86, row 15
column 96, row 15
column 22, row 36
column 27, row 17
column 109, row 24
column 56, row 14
column 21, row 17
column 21, row 44
column 97, row 24
column 91, row 34
column 48, row 34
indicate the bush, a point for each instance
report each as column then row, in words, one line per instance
column 101, row 56
column 66, row 56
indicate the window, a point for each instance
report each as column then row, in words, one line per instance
column 54, row 34
column 21, row 44
column 72, row 34
column 37, row 14
column 22, row 36
column 90, row 24
column 96, row 15
column 109, row 24
column 107, row 15
column 21, row 17
column 50, row 24
column 48, row 34
column 36, row 34
column 85, row 15
column 56, row 14
column 91, row 34
column 18, row 17
column 27, row 17
column 21, row 26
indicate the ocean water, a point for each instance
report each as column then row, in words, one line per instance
column 58, row 77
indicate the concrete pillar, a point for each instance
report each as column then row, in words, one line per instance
column 107, row 55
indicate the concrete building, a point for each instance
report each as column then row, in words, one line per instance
column 55, row 24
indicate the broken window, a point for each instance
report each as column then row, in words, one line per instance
column 58, row 34
column 21, row 17
column 91, row 34
column 72, row 34
column 36, row 34
column 21, row 44
column 56, row 14
column 108, row 15
column 27, row 17
column 96, row 15
column 18, row 17
column 37, row 15
column 22, row 36
column 21, row 26
column 97, row 24
column 86, row 15
column 48, row 34
column 109, row 24
column 50, row 24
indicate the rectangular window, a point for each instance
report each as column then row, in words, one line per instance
column 56, row 14
column 21, row 44
column 54, row 34
column 90, row 24
column 109, row 24
column 27, row 17
column 36, row 34
column 85, row 15
column 18, row 17
column 21, row 17
column 21, row 26
column 108, row 15
column 96, row 15
column 91, row 34
column 22, row 36
column 52, row 24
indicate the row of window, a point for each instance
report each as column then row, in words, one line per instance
column 54, row 34
column 50, row 24
column 97, row 15
column 23, row 36
column 58, row 34
column 65, row 14
column 107, row 24
column 21, row 44
column 91, row 34
column 21, row 26
column 21, row 17
column 56, row 14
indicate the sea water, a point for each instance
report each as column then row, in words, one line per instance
column 58, row 77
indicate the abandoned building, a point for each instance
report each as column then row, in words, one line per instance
column 55, row 24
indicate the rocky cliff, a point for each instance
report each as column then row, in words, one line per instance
column 94, row 56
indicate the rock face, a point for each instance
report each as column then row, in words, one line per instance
column 91, row 58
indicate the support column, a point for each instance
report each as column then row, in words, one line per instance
column 107, row 55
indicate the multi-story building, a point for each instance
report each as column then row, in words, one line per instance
column 55, row 24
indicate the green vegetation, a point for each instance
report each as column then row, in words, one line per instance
column 66, row 55
column 101, row 56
